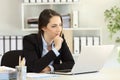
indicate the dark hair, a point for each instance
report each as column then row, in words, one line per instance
column 44, row 18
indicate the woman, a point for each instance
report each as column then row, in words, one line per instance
column 47, row 50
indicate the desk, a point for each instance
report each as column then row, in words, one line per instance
column 107, row 73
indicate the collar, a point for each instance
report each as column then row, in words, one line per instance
column 45, row 43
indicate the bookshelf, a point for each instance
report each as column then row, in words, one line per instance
column 30, row 10
column 33, row 9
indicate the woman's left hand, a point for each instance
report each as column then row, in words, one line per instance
column 46, row 69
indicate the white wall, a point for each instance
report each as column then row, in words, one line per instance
column 10, row 17
column 91, row 15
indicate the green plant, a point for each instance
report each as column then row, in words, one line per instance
column 112, row 17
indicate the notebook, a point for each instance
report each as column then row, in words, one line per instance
column 91, row 59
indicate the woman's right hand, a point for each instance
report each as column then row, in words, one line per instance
column 58, row 42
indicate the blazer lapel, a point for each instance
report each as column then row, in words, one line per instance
column 40, row 44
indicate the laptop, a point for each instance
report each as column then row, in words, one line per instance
column 91, row 59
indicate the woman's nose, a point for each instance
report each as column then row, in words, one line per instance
column 59, row 28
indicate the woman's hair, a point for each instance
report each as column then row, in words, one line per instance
column 45, row 17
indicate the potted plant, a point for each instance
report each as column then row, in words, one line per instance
column 112, row 17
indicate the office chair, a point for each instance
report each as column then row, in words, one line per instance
column 11, row 58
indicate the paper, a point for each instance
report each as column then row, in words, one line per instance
column 41, row 75
column 6, row 69
column 7, row 73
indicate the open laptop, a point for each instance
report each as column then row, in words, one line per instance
column 91, row 59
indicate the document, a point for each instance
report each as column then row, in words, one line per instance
column 41, row 75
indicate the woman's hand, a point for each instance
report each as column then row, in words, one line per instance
column 46, row 69
column 58, row 42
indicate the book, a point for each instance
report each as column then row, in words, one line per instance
column 66, row 21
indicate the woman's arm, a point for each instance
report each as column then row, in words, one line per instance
column 65, row 56
column 33, row 51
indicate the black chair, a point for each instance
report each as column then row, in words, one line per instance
column 11, row 58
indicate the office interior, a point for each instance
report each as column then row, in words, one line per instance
column 91, row 14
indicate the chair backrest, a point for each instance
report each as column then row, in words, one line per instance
column 11, row 58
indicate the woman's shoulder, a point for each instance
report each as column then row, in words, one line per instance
column 31, row 36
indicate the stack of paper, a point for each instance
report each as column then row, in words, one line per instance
column 7, row 73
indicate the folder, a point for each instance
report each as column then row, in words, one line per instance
column 63, row 0
column 26, row 1
column 38, row 1
column 75, row 19
column 7, row 43
column 69, row 0
column 32, row 1
column 57, row 0
column 51, row 0
column 83, row 41
column 13, row 42
column 76, row 45
column 96, row 40
column 89, row 41
column 75, row 0
column 1, row 45
column 45, row 1
column 19, row 43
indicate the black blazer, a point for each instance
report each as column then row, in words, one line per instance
column 32, row 51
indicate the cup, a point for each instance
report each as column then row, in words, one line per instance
column 21, row 72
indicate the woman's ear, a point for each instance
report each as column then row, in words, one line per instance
column 44, row 28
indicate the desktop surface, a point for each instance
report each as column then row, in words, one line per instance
column 107, row 73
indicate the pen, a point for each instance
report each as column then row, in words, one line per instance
column 22, row 62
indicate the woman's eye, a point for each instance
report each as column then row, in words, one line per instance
column 61, row 24
column 53, row 26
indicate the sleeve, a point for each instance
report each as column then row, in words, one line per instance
column 66, row 57
column 31, row 52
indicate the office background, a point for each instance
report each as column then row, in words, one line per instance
column 91, row 14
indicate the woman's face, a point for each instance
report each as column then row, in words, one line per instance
column 54, row 27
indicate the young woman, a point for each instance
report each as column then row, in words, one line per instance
column 47, row 50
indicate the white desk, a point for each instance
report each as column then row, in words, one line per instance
column 110, row 71
column 107, row 73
